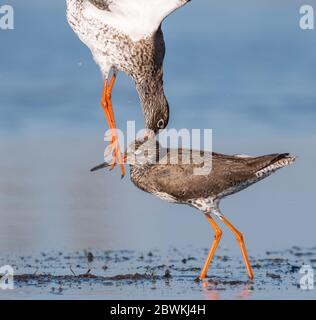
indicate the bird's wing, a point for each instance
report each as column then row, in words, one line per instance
column 136, row 18
column 181, row 182
column 178, row 181
column 175, row 173
column 235, row 170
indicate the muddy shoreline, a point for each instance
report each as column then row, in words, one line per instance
column 171, row 274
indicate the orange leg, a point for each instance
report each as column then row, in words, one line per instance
column 117, row 151
column 108, row 94
column 105, row 106
column 109, row 117
column 218, row 235
column 108, row 111
column 241, row 242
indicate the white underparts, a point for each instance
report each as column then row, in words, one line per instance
column 165, row 196
column 136, row 18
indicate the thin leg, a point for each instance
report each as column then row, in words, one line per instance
column 106, row 102
column 105, row 106
column 117, row 153
column 241, row 243
column 109, row 93
column 218, row 235
column 108, row 111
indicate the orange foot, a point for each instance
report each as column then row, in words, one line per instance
column 106, row 104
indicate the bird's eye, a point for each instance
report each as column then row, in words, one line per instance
column 161, row 124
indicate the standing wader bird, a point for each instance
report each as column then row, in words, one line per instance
column 170, row 175
column 126, row 35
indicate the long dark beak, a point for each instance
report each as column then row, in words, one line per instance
column 100, row 166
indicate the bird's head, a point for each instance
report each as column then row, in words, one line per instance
column 143, row 151
column 157, row 114
column 139, row 153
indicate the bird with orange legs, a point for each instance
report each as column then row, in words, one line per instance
column 200, row 180
column 112, row 30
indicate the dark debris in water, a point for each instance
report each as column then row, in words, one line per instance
column 273, row 275
column 89, row 255
column 48, row 278
column 69, row 272
column 223, row 282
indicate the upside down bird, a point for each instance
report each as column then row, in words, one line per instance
column 126, row 35
column 167, row 174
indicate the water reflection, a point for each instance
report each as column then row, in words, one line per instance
column 211, row 293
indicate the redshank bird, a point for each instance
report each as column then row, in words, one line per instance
column 126, row 35
column 164, row 173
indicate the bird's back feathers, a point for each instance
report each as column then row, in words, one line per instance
column 228, row 174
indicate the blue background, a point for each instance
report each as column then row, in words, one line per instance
column 243, row 68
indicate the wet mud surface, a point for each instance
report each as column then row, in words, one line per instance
column 157, row 275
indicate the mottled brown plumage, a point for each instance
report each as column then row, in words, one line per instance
column 174, row 179
column 171, row 173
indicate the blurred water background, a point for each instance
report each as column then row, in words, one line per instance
column 243, row 68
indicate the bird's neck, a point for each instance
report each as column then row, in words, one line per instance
column 153, row 100
column 138, row 174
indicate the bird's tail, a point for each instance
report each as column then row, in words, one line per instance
column 270, row 163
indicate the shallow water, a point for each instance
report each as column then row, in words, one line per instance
column 157, row 275
column 244, row 70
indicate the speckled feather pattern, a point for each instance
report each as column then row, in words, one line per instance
column 229, row 175
column 112, row 49
column 142, row 59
